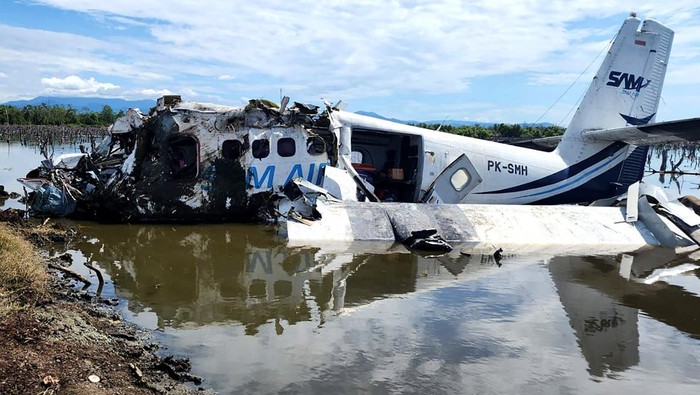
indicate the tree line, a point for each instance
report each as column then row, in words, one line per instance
column 44, row 114
column 499, row 131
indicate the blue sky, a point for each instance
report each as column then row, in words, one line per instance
column 482, row 60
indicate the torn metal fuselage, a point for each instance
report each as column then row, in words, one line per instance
column 188, row 162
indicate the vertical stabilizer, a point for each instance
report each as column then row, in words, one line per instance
column 625, row 91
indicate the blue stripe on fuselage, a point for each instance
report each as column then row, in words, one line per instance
column 569, row 172
column 601, row 187
column 572, row 180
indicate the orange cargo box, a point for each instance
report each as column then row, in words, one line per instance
column 395, row 174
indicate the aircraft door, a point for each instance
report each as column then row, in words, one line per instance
column 454, row 183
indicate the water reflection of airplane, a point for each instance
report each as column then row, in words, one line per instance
column 194, row 275
column 603, row 297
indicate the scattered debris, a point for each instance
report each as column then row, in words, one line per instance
column 72, row 274
column 427, row 240
column 50, row 381
column 497, row 256
column 178, row 369
column 136, row 371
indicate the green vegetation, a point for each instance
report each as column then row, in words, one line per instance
column 499, row 130
column 22, row 275
column 67, row 116
column 56, row 115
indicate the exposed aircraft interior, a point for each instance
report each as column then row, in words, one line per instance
column 390, row 162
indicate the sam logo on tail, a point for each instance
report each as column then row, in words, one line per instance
column 617, row 78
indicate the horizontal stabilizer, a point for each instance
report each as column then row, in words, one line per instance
column 550, row 142
column 655, row 133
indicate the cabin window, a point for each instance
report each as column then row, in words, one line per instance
column 231, row 149
column 459, row 179
column 183, row 152
column 261, row 148
column 286, row 147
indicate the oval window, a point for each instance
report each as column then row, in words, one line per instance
column 459, row 179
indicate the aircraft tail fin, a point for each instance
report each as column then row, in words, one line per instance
column 625, row 91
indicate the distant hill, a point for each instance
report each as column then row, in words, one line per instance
column 91, row 103
column 375, row 115
column 450, row 122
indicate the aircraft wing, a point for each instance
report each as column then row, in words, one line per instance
column 654, row 133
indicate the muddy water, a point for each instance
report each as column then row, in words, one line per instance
column 257, row 317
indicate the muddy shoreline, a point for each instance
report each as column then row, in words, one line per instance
column 71, row 341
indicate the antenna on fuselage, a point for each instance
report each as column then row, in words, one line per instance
column 442, row 123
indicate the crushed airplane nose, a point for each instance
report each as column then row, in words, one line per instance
column 184, row 162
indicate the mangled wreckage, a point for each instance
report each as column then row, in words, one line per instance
column 187, row 162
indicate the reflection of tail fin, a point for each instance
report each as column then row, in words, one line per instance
column 627, row 88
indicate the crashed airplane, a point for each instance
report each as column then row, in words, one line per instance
column 186, row 162
column 200, row 162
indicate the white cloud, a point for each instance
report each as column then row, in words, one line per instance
column 3, row 75
column 76, row 85
column 155, row 92
column 72, row 54
column 313, row 50
column 557, row 79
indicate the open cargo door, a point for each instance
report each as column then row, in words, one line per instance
column 454, row 183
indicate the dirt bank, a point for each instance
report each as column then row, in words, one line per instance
column 56, row 339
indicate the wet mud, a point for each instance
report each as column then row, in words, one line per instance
column 70, row 341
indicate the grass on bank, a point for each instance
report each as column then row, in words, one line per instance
column 23, row 277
